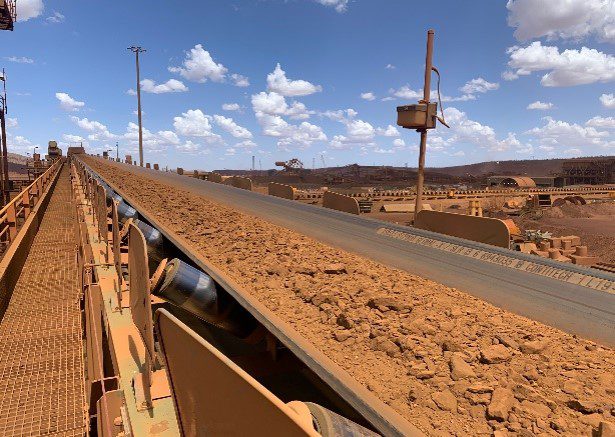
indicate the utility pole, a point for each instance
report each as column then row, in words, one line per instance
column 253, row 163
column 5, row 155
column 418, row 206
column 136, row 50
column 117, row 152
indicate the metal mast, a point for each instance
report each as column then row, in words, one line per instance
column 426, row 94
column 136, row 50
column 5, row 155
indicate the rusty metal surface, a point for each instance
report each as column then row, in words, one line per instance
column 481, row 229
column 125, row 346
column 41, row 352
column 281, row 190
column 340, row 202
column 199, row 373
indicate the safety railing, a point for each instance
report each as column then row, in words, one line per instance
column 16, row 212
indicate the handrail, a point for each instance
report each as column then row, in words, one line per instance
column 22, row 205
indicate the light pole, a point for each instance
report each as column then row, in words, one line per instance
column 117, row 151
column 5, row 154
column 136, row 50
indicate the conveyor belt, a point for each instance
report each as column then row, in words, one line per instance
column 41, row 354
column 579, row 309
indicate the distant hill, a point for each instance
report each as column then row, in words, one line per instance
column 529, row 167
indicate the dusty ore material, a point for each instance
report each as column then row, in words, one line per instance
column 448, row 362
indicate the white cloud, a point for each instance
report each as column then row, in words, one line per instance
column 56, row 18
column 398, row 143
column 199, row 66
column 27, row 9
column 339, row 5
column 11, row 122
column 557, row 133
column 170, row 86
column 89, row 125
column 20, row 144
column 568, row 68
column 608, row 101
column 368, row 96
column 510, row 75
column 570, row 19
column 273, row 103
column 541, row 106
column 390, row 67
column 193, row 123
column 168, row 136
column 340, row 115
column 68, row 103
column 279, row 83
column 573, row 151
column 98, row 131
column 20, row 59
column 289, row 135
column 70, row 138
column 478, row 85
column 405, row 92
column 229, row 125
column 390, row 131
column 239, row 80
column 360, row 129
column 231, row 106
column 153, row 142
column 358, row 132
column 604, row 122
column 466, row 131
column 246, row 144
column 188, row 147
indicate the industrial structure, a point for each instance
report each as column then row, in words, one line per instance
column 171, row 342
column 8, row 14
column 593, row 171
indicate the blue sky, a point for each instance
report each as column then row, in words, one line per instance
column 527, row 78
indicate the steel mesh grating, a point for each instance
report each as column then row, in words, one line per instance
column 41, row 354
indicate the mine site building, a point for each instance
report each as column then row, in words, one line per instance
column 511, row 181
column 595, row 171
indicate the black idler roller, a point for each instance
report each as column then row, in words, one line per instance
column 154, row 242
column 112, row 195
column 125, row 212
column 196, row 292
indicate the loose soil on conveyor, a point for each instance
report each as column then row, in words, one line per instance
column 448, row 362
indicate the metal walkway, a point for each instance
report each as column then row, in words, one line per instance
column 41, row 354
